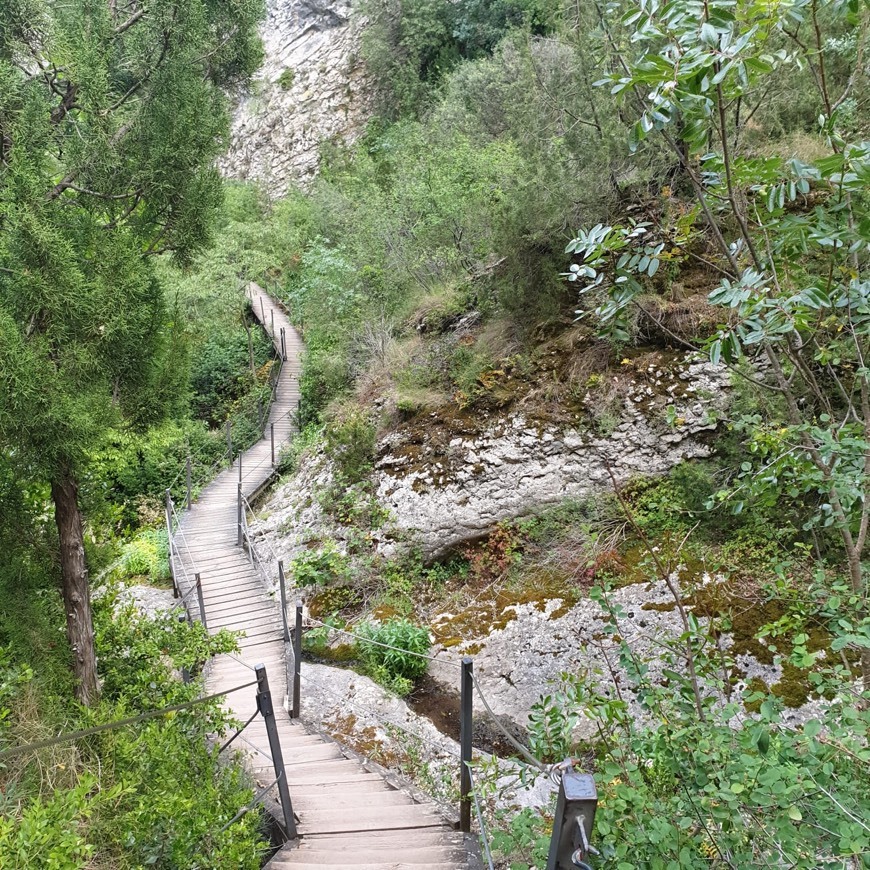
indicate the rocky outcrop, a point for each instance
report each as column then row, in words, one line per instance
column 445, row 487
column 444, row 496
column 312, row 88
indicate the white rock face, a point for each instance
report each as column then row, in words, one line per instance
column 443, row 496
column 279, row 125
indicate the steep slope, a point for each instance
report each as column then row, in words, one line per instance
column 311, row 89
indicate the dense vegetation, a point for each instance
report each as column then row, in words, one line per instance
column 118, row 359
column 697, row 171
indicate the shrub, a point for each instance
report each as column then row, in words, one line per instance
column 147, row 555
column 349, row 441
column 400, row 665
column 321, row 567
column 286, row 79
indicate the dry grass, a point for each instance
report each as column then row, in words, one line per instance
column 49, row 769
column 803, row 146
column 678, row 318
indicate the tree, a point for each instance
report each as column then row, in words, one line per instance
column 790, row 238
column 110, row 116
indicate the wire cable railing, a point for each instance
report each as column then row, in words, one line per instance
column 71, row 736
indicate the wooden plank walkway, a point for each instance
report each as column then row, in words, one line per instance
column 348, row 816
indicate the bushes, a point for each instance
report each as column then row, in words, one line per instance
column 221, row 373
column 396, row 669
column 147, row 555
column 148, row 795
column 323, row 567
column 349, row 441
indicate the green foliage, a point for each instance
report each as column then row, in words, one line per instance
column 675, row 788
column 349, row 441
column 396, row 668
column 13, row 676
column 286, row 79
column 316, row 640
column 220, row 370
column 324, row 567
column 49, row 834
column 523, row 839
column 147, row 555
column 409, row 47
column 152, row 794
column 129, row 471
column 552, row 720
column 139, row 656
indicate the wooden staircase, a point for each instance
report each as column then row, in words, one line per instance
column 347, row 815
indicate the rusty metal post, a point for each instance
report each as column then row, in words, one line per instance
column 239, row 517
column 267, row 711
column 465, row 725
column 283, row 587
column 573, row 822
column 175, row 592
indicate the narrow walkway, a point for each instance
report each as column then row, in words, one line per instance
column 348, row 816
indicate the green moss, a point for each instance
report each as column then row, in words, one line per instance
column 794, row 686
column 286, row 79
column 332, row 599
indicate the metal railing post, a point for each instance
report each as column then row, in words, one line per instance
column 272, row 437
column 189, row 482
column 465, row 725
column 201, row 602
column 260, row 415
column 573, row 821
column 267, row 711
column 283, row 587
column 229, row 442
column 185, row 672
column 262, row 312
column 175, row 592
column 297, row 662
column 240, row 469
column 239, row 517
column 272, row 313
column 283, row 346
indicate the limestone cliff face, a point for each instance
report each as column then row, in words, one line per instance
column 312, row 88
column 446, row 486
column 444, row 492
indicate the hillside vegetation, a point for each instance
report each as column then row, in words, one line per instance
column 547, row 193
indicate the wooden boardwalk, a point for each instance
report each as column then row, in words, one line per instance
column 347, row 815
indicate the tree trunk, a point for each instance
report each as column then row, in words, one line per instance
column 74, row 582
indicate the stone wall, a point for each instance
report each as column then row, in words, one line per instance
column 312, row 88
